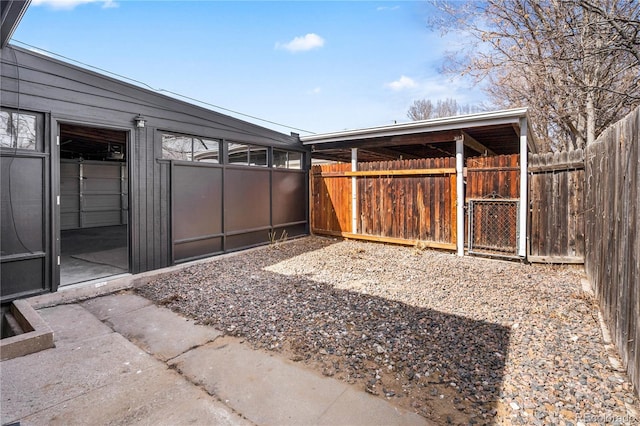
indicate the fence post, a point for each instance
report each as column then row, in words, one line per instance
column 354, row 191
column 524, row 203
column 460, row 195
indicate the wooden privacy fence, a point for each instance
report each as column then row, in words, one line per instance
column 402, row 201
column 612, row 246
column 497, row 176
column 419, row 205
column 556, row 194
column 330, row 199
column 492, row 197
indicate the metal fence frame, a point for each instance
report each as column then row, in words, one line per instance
column 488, row 252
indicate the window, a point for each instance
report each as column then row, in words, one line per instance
column 206, row 150
column 247, row 155
column 287, row 159
column 188, row 148
column 18, row 130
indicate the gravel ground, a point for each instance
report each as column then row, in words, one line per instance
column 458, row 340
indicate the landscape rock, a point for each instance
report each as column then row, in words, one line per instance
column 506, row 333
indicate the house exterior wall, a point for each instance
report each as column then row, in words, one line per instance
column 64, row 93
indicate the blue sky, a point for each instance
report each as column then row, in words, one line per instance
column 318, row 66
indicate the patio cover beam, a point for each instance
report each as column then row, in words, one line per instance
column 476, row 146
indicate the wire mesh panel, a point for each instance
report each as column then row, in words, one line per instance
column 493, row 227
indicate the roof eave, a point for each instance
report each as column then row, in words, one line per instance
column 494, row 118
column 10, row 17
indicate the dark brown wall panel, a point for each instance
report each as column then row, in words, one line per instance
column 240, row 241
column 246, row 198
column 289, row 197
column 199, row 248
column 290, row 231
column 197, row 201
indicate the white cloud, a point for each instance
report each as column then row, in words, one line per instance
column 402, row 83
column 301, row 44
column 71, row 4
column 315, row 91
column 381, row 8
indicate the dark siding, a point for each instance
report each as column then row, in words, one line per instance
column 74, row 94
column 50, row 85
column 164, row 245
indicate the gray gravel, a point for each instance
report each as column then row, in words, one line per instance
column 459, row 340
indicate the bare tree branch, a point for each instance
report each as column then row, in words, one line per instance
column 575, row 63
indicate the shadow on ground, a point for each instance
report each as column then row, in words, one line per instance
column 446, row 367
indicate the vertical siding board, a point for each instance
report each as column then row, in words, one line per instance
column 148, row 201
column 164, row 212
column 156, row 258
column 140, row 242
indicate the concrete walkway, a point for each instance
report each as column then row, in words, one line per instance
column 119, row 359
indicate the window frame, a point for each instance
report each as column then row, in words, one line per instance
column 192, row 154
column 287, row 164
column 249, row 150
column 38, row 127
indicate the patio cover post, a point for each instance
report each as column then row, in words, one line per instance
column 354, row 190
column 524, row 202
column 460, row 195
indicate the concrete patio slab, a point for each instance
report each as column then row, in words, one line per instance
column 158, row 331
column 358, row 408
column 39, row 381
column 96, row 376
column 271, row 390
column 113, row 305
column 157, row 396
column 73, row 324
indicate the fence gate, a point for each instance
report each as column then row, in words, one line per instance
column 493, row 227
column 557, row 212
